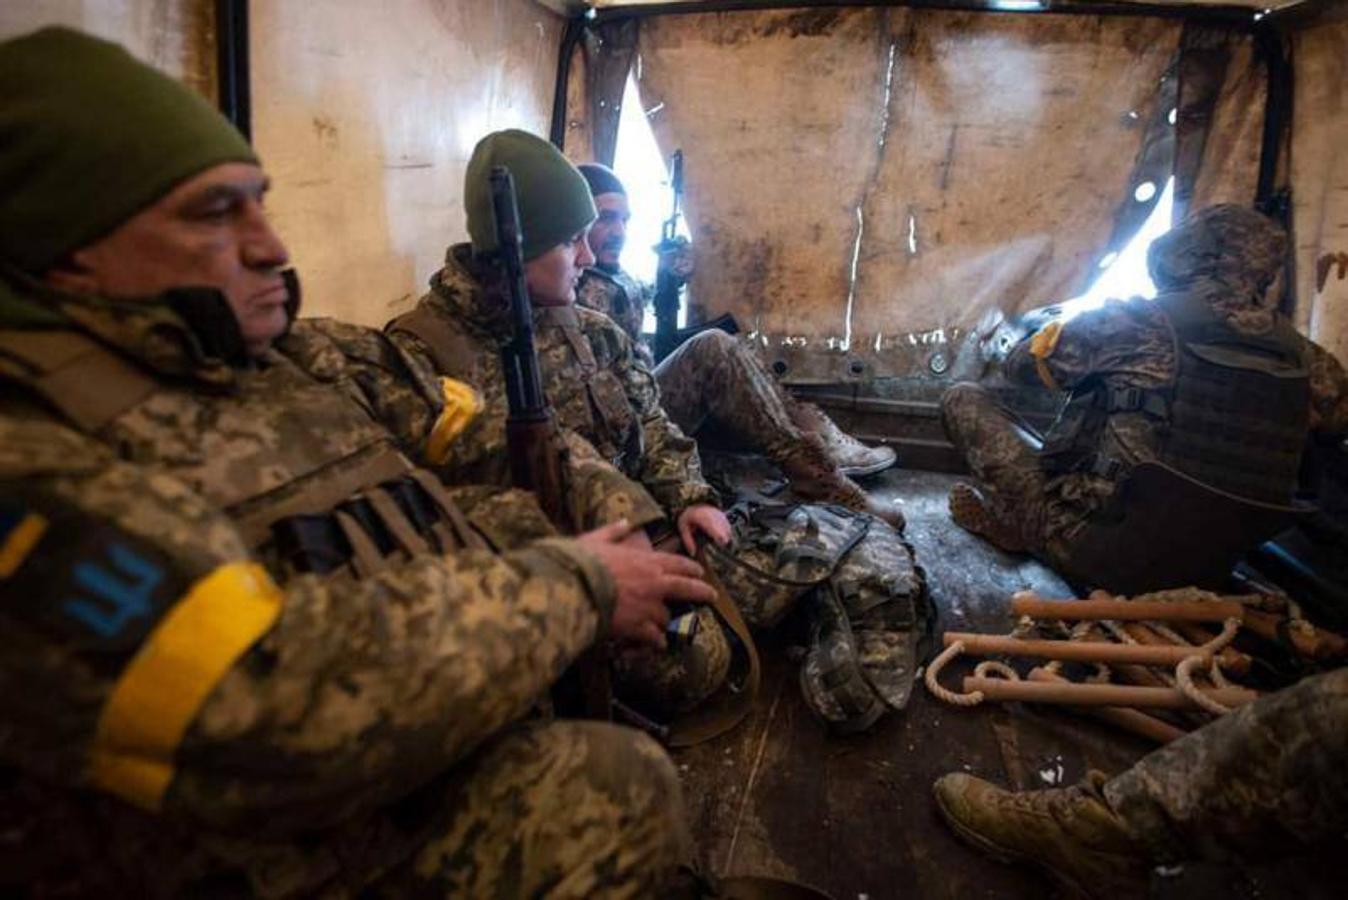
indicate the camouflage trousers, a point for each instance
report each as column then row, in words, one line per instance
column 560, row 809
column 1002, row 453
column 1045, row 512
column 1266, row 779
column 714, row 377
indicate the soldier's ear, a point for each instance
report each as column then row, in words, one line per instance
column 73, row 275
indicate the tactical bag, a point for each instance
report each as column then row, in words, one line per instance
column 856, row 579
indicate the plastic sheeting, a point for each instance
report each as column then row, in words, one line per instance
column 874, row 182
column 1319, row 165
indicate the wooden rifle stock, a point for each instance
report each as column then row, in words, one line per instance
column 537, row 454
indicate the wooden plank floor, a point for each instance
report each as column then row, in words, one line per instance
column 854, row 815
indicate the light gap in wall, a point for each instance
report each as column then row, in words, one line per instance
column 645, row 174
column 1126, row 274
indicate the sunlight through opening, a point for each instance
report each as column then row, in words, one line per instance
column 643, row 171
column 1125, row 274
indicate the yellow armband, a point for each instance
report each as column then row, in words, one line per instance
column 1042, row 345
column 172, row 674
column 462, row 405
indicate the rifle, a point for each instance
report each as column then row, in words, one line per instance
column 537, row 454
column 668, row 284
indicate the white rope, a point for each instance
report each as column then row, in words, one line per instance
column 1184, row 671
column 973, row 698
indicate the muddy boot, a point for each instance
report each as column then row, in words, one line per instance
column 851, row 457
column 971, row 511
column 814, row 477
column 1070, row 833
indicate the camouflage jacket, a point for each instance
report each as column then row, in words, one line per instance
column 596, row 385
column 623, row 299
column 185, row 714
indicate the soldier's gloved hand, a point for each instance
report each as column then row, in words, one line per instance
column 646, row 580
column 703, row 518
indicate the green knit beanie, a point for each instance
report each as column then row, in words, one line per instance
column 89, row 136
column 554, row 199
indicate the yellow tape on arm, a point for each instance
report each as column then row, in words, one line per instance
column 170, row 677
column 1041, row 348
column 462, row 405
column 20, row 542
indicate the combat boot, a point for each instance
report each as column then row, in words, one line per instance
column 1070, row 833
column 971, row 511
column 851, row 457
column 814, row 477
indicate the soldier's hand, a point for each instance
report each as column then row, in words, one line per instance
column 646, row 580
column 703, row 519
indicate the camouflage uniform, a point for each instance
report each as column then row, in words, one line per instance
column 601, row 393
column 1225, row 261
column 715, row 377
column 1258, row 782
column 597, row 387
column 188, row 714
column 623, row 299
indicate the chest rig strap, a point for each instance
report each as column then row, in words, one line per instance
column 88, row 383
column 567, row 321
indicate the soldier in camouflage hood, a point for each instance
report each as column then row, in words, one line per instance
column 1138, row 393
column 714, row 380
column 251, row 649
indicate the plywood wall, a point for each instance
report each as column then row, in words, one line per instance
column 365, row 115
column 177, row 36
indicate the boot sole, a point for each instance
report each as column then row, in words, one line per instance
column 1004, row 855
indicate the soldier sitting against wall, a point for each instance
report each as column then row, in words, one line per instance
column 249, row 648
column 589, row 377
column 1208, row 379
column 714, row 380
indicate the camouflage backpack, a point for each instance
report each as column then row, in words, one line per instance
column 865, row 596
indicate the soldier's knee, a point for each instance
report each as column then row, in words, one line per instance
column 959, row 400
column 629, row 765
column 712, row 344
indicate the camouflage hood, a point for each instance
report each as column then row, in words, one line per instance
column 1226, row 254
column 460, row 289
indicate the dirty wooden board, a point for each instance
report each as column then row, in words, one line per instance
column 855, row 815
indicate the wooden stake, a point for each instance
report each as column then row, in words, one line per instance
column 1074, row 651
column 1100, row 694
column 1139, row 723
column 1024, row 604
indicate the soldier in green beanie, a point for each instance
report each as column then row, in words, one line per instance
column 597, row 388
column 248, row 647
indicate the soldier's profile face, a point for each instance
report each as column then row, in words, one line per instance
column 210, row 231
column 551, row 277
column 608, row 234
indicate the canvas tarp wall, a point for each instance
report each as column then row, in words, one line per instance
column 865, row 185
column 1319, row 171
column 872, row 182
